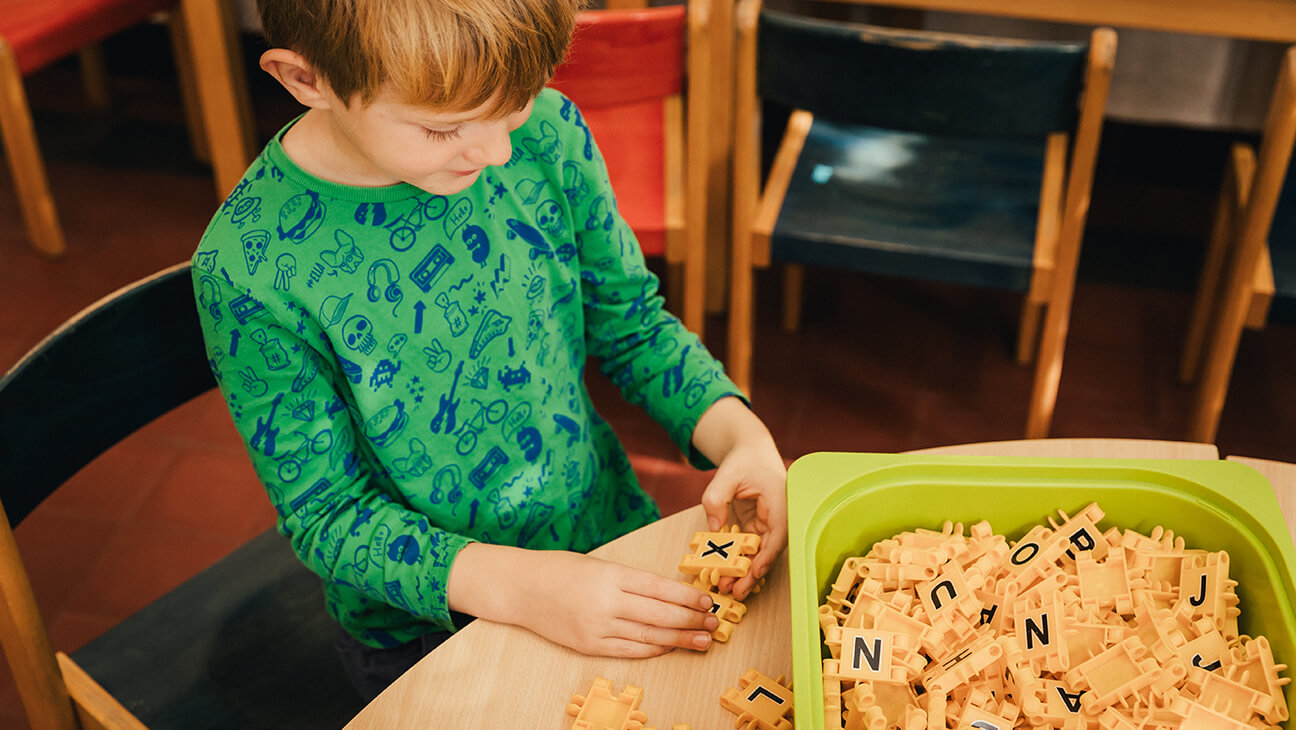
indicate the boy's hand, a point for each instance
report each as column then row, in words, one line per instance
column 754, row 482
column 751, row 477
column 591, row 605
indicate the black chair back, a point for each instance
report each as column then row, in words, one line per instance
column 919, row 81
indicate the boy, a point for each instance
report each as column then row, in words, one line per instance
column 398, row 302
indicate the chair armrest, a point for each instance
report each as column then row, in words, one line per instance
column 776, row 185
column 1241, row 171
column 673, row 170
column 95, row 708
column 1050, row 217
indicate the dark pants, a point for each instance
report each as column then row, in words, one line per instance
column 372, row 670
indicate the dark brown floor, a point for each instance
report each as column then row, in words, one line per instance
column 880, row 365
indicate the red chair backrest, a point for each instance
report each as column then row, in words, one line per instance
column 624, row 56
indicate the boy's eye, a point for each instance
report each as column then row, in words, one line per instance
column 442, row 135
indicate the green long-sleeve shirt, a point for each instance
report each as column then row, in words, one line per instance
column 407, row 369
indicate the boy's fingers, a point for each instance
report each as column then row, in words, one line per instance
column 668, row 615
column 628, row 649
column 656, row 636
column 649, row 585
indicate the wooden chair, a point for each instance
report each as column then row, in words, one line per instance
column 35, row 34
column 928, row 155
column 1251, row 259
column 246, row 643
column 640, row 79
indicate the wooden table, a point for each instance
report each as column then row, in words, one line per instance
column 495, row 676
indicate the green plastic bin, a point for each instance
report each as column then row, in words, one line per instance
column 839, row 504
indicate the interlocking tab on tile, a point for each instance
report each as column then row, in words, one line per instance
column 760, row 702
column 601, row 710
column 834, row 703
column 673, row 727
column 722, row 554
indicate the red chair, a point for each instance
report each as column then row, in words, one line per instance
column 630, row 72
column 35, row 33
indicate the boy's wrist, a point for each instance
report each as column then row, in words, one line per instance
column 484, row 581
column 729, row 426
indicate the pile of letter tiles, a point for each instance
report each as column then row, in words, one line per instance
column 1070, row 626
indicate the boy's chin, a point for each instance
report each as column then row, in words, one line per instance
column 448, row 183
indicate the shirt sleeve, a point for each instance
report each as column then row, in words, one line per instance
column 295, row 415
column 655, row 361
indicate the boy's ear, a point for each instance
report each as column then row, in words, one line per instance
column 297, row 76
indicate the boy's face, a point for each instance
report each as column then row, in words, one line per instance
column 441, row 152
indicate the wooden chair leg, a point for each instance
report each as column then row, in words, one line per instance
column 23, row 152
column 1028, row 331
column 221, row 88
column 1232, row 198
column 675, row 288
column 189, row 101
column 793, row 287
column 27, row 644
column 94, row 76
column 741, row 300
column 1250, row 238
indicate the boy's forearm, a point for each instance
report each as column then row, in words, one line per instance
column 730, row 424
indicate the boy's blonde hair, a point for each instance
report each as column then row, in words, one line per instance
column 448, row 54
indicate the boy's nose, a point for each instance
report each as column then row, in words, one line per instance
column 493, row 147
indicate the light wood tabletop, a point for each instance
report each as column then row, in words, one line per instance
column 1267, row 20
column 496, row 676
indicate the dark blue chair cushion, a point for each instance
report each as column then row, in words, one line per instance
column 945, row 208
column 245, row 644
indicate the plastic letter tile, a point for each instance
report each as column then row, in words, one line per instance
column 948, row 592
column 1081, row 532
column 601, row 710
column 1253, row 663
column 759, row 702
column 720, row 554
column 975, row 717
column 964, row 663
column 1205, row 588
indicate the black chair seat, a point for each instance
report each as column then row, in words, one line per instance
column 954, row 209
column 261, row 596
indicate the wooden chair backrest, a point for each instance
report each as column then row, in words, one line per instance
column 127, row 359
column 919, row 81
column 117, row 365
